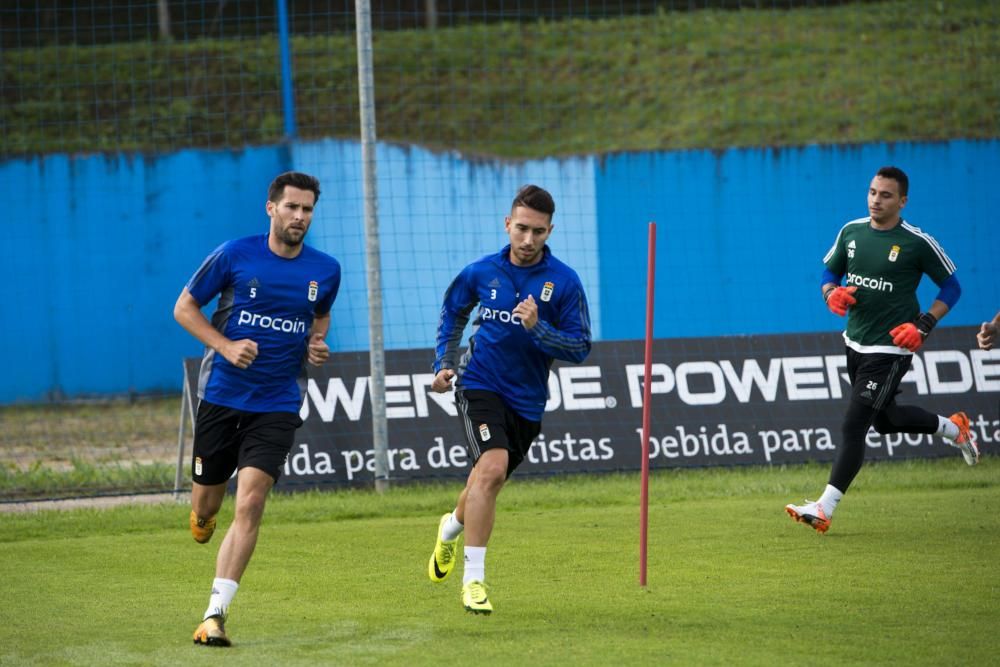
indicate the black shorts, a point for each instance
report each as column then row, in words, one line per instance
column 875, row 376
column 226, row 439
column 490, row 424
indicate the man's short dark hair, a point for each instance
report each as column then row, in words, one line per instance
column 534, row 198
column 898, row 175
column 296, row 179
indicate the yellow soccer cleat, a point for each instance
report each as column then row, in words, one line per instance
column 443, row 559
column 212, row 632
column 201, row 529
column 474, row 598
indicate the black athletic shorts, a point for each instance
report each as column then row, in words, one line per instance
column 226, row 439
column 490, row 424
column 875, row 376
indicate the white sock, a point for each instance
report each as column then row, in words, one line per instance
column 223, row 592
column 947, row 428
column 451, row 528
column 475, row 564
column 829, row 500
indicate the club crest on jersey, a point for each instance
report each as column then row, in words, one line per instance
column 894, row 253
column 850, row 249
column 547, row 290
column 197, row 465
column 313, row 290
column 484, row 432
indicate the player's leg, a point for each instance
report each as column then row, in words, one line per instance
column 479, row 515
column 265, row 440
column 213, row 461
column 911, row 419
column 238, row 546
column 874, row 381
column 484, row 420
column 206, row 501
column 450, row 527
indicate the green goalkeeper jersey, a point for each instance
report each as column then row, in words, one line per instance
column 886, row 267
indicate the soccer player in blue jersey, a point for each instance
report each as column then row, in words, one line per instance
column 532, row 310
column 884, row 258
column 273, row 314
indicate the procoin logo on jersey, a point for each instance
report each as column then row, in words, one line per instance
column 879, row 284
column 295, row 326
column 313, row 290
column 547, row 290
column 505, row 316
column 894, row 253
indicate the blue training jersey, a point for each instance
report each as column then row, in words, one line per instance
column 503, row 356
column 272, row 301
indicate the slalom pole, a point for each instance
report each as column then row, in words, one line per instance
column 647, row 372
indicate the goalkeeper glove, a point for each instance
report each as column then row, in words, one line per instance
column 839, row 299
column 911, row 335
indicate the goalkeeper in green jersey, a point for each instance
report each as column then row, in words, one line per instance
column 883, row 258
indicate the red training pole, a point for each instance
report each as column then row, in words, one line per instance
column 648, row 369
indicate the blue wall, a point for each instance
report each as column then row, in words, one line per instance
column 98, row 247
column 741, row 234
column 96, row 254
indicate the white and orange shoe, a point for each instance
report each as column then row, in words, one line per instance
column 964, row 441
column 811, row 513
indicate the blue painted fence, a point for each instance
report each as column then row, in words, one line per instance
column 97, row 248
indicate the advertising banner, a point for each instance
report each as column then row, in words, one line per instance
column 715, row 401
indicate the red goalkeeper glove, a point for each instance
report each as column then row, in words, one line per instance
column 911, row 335
column 839, row 299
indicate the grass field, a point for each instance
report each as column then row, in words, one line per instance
column 906, row 576
column 86, row 449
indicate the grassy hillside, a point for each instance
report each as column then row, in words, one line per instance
column 866, row 72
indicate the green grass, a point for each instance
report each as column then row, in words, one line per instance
column 905, row 576
column 872, row 71
column 84, row 449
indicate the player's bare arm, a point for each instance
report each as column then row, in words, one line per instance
column 187, row 312
column 318, row 351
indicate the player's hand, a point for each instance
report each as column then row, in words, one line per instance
column 240, row 353
column 527, row 310
column 907, row 336
column 442, row 381
column 840, row 299
column 318, row 351
column 912, row 334
column 987, row 336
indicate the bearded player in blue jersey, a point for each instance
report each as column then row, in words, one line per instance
column 532, row 310
column 273, row 314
